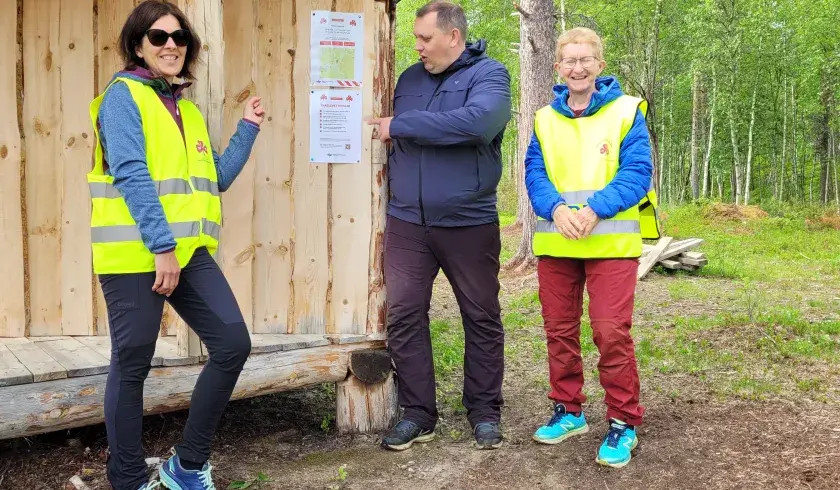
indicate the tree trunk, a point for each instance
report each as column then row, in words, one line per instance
column 736, row 161
column 706, row 190
column 750, row 148
column 536, row 58
column 783, row 169
column 695, row 122
column 823, row 125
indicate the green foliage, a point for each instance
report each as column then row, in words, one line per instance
column 252, row 483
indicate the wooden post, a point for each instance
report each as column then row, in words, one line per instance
column 367, row 400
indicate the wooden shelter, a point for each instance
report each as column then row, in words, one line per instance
column 301, row 243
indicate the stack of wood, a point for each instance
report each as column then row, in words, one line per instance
column 675, row 255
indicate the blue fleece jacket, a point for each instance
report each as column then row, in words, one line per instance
column 635, row 167
column 124, row 147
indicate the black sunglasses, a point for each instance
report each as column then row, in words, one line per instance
column 159, row 37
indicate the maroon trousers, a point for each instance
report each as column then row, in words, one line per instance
column 611, row 284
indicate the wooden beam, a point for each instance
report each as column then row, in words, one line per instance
column 77, row 81
column 44, row 177
column 680, row 247
column 75, row 402
column 362, row 408
column 12, row 302
column 275, row 151
column 310, row 273
column 236, row 248
column 652, row 257
column 350, row 216
column 383, row 52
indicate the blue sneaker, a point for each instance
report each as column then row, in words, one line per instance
column 175, row 477
column 617, row 445
column 561, row 426
column 152, row 485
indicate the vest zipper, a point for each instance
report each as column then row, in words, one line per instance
column 420, row 165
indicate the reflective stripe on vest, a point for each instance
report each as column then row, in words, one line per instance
column 605, row 227
column 130, row 233
column 184, row 173
column 581, row 158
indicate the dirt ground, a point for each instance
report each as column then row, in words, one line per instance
column 693, row 440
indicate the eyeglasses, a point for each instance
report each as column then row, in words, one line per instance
column 159, row 37
column 586, row 62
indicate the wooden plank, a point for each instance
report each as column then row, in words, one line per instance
column 44, row 176
column 382, row 102
column 12, row 372
column 347, row 338
column 111, row 17
column 100, row 345
column 310, row 273
column 42, row 366
column 680, row 247
column 76, row 45
column 650, row 259
column 207, row 90
column 101, row 310
column 166, row 354
column 275, row 151
column 237, row 249
column 37, row 408
column 694, row 255
column 75, row 357
column 263, row 343
column 12, row 302
column 350, row 212
column 692, row 262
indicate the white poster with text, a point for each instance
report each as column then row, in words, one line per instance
column 337, row 49
column 335, row 126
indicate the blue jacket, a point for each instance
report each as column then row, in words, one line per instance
column 445, row 163
column 124, row 148
column 635, row 166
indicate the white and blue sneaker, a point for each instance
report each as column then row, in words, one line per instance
column 618, row 444
column 174, row 477
column 561, row 426
column 152, row 485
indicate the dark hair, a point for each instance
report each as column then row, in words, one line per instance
column 140, row 20
column 449, row 16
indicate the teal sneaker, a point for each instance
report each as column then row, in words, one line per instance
column 152, row 485
column 174, row 477
column 561, row 426
column 618, row 444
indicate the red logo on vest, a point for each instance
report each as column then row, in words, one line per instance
column 201, row 147
column 605, row 149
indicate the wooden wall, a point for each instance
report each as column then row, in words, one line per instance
column 301, row 243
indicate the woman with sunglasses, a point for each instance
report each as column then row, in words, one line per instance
column 156, row 216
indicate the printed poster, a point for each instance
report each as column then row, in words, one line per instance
column 335, row 126
column 337, row 49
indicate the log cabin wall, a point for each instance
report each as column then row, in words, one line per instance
column 301, row 243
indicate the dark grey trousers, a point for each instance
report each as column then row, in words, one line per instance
column 205, row 301
column 469, row 256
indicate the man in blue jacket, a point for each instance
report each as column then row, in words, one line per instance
column 450, row 112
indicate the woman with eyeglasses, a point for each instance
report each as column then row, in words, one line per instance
column 156, row 217
column 588, row 172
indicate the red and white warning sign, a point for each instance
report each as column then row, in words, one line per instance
column 337, row 47
column 335, row 126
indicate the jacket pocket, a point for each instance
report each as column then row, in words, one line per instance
column 409, row 102
column 451, row 98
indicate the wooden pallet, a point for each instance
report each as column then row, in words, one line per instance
column 670, row 254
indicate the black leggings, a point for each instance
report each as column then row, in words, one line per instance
column 205, row 301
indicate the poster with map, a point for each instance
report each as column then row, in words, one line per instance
column 337, row 47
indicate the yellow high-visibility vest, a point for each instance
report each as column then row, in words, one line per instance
column 184, row 173
column 581, row 158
